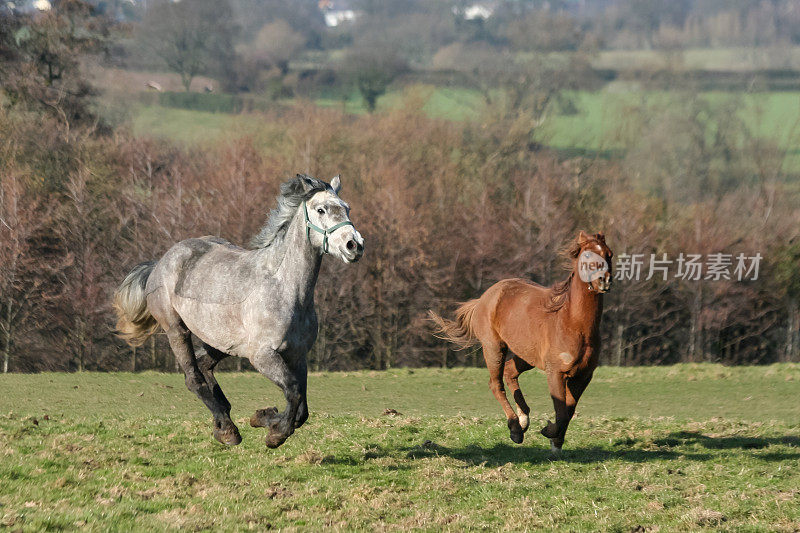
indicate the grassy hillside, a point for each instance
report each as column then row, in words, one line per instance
column 685, row 447
column 596, row 124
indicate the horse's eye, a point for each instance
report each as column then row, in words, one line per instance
column 320, row 211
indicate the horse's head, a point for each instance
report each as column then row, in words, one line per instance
column 328, row 224
column 594, row 261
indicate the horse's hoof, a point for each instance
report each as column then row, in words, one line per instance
column 274, row 440
column 229, row 437
column 517, row 435
column 550, row 430
column 263, row 417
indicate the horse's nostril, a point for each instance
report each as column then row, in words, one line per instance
column 359, row 247
column 350, row 245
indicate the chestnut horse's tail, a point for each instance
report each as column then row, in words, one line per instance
column 460, row 330
column 134, row 321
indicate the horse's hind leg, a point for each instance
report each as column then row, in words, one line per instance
column 495, row 356
column 514, row 367
column 180, row 341
column 280, row 425
column 207, row 359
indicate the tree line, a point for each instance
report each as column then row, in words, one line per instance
column 447, row 208
column 282, row 48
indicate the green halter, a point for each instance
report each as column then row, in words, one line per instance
column 325, row 232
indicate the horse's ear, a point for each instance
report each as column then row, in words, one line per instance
column 336, row 184
column 306, row 181
column 601, row 237
column 583, row 237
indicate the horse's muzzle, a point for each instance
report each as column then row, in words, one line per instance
column 355, row 250
column 604, row 285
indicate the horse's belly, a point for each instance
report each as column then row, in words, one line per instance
column 528, row 343
column 219, row 326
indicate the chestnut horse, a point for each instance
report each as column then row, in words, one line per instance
column 522, row 325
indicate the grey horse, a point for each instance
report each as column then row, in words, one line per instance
column 256, row 303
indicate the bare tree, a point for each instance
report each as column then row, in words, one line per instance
column 263, row 63
column 21, row 217
column 373, row 67
column 191, row 37
column 515, row 85
column 84, row 297
column 41, row 63
column 278, row 44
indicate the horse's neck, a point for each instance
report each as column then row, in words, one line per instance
column 584, row 307
column 295, row 262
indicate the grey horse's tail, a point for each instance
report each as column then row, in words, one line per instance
column 134, row 322
column 460, row 330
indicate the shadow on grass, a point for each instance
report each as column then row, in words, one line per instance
column 501, row 453
column 627, row 451
column 683, row 438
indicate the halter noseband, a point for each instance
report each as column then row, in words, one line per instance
column 325, row 232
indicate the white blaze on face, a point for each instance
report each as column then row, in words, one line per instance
column 591, row 266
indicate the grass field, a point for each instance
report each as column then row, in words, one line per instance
column 723, row 59
column 676, row 448
column 600, row 115
column 593, row 126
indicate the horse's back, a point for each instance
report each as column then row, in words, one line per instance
column 207, row 269
column 515, row 291
column 517, row 312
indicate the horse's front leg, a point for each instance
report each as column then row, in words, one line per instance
column 557, row 383
column 272, row 365
column 565, row 393
column 300, row 371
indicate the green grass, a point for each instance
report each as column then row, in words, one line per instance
column 681, row 448
column 593, row 127
column 599, row 120
column 600, row 115
column 183, row 125
column 450, row 103
column 195, row 127
column 723, row 59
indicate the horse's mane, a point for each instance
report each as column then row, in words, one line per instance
column 293, row 192
column 559, row 292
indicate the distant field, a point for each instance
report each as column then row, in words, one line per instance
column 678, row 448
column 721, row 59
column 600, row 115
column 451, row 103
column 593, row 126
column 185, row 126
